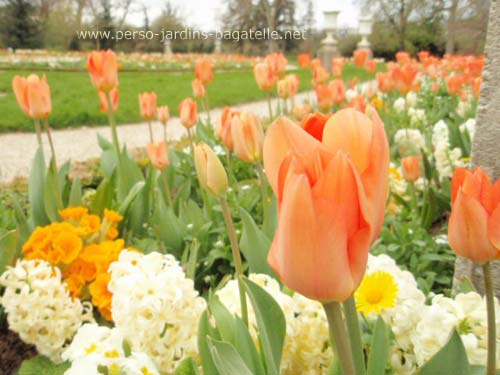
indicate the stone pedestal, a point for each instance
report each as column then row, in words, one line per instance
column 328, row 51
column 365, row 44
column 167, row 47
column 217, row 46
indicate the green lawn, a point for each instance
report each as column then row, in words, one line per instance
column 75, row 101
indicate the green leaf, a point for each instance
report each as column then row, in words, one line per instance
column 8, row 249
column 271, row 323
column 103, row 197
column 50, row 194
column 205, row 330
column 480, row 370
column 36, row 186
column 75, row 195
column 245, row 346
column 187, row 367
column 255, row 245
column 379, row 349
column 41, row 365
column 132, row 195
column 168, row 227
column 450, row 360
column 226, row 358
column 224, row 320
column 24, row 228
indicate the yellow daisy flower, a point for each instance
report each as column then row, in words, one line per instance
column 377, row 291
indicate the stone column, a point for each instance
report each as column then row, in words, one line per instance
column 167, row 47
column 485, row 148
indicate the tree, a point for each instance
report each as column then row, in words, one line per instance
column 19, row 24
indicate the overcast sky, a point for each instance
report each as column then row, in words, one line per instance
column 204, row 14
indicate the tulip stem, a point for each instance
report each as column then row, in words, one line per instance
column 238, row 263
column 265, row 199
column 207, row 108
column 191, row 140
column 53, row 164
column 490, row 306
column 165, row 133
column 112, row 123
column 336, row 323
column 352, row 321
column 38, row 133
column 269, row 106
column 167, row 188
column 151, row 138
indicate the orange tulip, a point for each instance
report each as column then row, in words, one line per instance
column 198, row 88
column 115, row 97
column 403, row 57
column 337, row 90
column 163, row 114
column 248, row 136
column 288, row 86
column 223, row 127
column 454, row 84
column 278, row 62
column 404, row 77
column 370, row 66
column 301, row 111
column 103, row 70
column 264, row 76
column 211, row 172
column 204, row 71
column 315, row 123
column 358, row 102
column 188, row 113
column 476, row 87
column 304, row 60
column 423, row 56
column 33, row 95
column 320, row 75
column 360, row 56
column 158, row 155
column 337, row 67
column 384, row 81
column 147, row 103
column 411, row 168
column 331, row 198
column 324, row 97
column 474, row 226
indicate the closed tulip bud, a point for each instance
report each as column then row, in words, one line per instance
column 320, row 75
column 324, row 97
column 147, row 103
column 278, row 62
column 474, row 226
column 33, row 96
column 163, row 114
column 115, row 98
column 198, row 88
column 283, row 89
column 315, row 123
column 204, row 71
column 293, row 83
column 337, row 91
column 264, row 76
column 188, row 113
column 360, row 56
column 301, row 111
column 304, row 60
column 211, row 172
column 158, row 155
column 331, row 201
column 370, row 66
column 411, row 168
column 248, row 136
column 103, row 70
column 223, row 127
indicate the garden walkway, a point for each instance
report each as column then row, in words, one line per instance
column 17, row 149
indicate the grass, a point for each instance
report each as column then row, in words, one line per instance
column 75, row 102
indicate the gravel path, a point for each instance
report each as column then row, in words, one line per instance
column 17, row 149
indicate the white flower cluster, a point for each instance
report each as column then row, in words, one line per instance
column 155, row 307
column 421, row 330
column 96, row 347
column 417, row 116
column 446, row 159
column 409, row 141
column 399, row 104
column 469, row 126
column 39, row 307
column 463, row 107
column 307, row 349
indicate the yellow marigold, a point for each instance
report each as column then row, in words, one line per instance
column 74, row 285
column 75, row 213
column 101, row 296
column 377, row 291
column 103, row 254
column 112, row 233
column 69, row 245
column 85, row 270
column 112, row 216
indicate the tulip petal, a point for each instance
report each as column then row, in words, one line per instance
column 494, row 228
column 284, row 136
column 468, row 229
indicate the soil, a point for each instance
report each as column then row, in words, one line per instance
column 13, row 351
